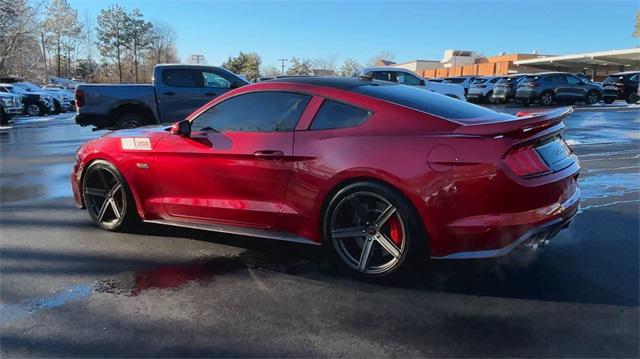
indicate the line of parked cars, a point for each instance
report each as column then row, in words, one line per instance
column 547, row 88
column 25, row 98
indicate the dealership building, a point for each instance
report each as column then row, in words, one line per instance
column 597, row 65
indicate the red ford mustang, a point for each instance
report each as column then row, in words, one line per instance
column 383, row 173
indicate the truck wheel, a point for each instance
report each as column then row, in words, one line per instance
column 4, row 118
column 42, row 110
column 130, row 120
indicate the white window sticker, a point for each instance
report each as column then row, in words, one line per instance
column 135, row 143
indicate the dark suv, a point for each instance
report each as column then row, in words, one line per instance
column 623, row 85
column 505, row 88
column 549, row 87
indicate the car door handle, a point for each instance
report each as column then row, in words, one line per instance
column 169, row 93
column 269, row 154
column 210, row 94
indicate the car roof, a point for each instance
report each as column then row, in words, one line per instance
column 625, row 73
column 341, row 83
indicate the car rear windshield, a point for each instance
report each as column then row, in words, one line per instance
column 613, row 79
column 479, row 81
column 433, row 103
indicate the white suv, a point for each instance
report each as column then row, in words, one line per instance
column 410, row 78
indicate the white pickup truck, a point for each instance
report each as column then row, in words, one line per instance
column 407, row 77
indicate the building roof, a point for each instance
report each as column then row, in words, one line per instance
column 624, row 57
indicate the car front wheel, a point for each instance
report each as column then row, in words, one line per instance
column 108, row 197
column 546, row 98
column 592, row 98
column 632, row 97
column 373, row 229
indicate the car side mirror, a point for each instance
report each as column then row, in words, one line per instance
column 182, row 128
column 422, row 83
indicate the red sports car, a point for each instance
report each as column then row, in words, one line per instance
column 383, row 173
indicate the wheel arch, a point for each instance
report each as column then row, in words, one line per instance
column 105, row 158
column 137, row 107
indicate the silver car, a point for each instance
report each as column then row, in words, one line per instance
column 481, row 90
column 410, row 78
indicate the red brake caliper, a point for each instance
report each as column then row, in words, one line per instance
column 395, row 230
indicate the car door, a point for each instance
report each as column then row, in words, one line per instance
column 182, row 90
column 407, row 79
column 234, row 167
column 577, row 90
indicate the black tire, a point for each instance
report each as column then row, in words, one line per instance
column 546, row 98
column 43, row 110
column 489, row 97
column 592, row 97
column 4, row 118
column 108, row 198
column 384, row 222
column 130, row 120
column 609, row 100
column 632, row 97
column 56, row 107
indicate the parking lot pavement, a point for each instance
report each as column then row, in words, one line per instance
column 68, row 288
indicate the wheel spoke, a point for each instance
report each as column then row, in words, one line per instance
column 382, row 219
column 116, row 188
column 364, row 257
column 103, row 209
column 357, row 206
column 97, row 192
column 388, row 245
column 114, row 208
column 348, row 232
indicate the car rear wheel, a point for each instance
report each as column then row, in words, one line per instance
column 107, row 197
column 56, row 107
column 372, row 229
column 4, row 118
column 592, row 98
column 489, row 98
column 130, row 120
column 546, row 98
column 632, row 97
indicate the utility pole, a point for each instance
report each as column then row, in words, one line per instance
column 283, row 61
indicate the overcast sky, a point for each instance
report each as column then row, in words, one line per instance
column 409, row 30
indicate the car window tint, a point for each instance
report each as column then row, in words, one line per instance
column 572, row 80
column 384, row 75
column 407, row 79
column 432, row 103
column 254, row 112
column 334, row 114
column 180, row 78
column 211, row 79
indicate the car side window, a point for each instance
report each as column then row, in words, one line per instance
column 384, row 76
column 211, row 79
column 333, row 114
column 572, row 80
column 268, row 111
column 407, row 79
column 181, row 78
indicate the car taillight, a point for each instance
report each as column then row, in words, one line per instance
column 525, row 161
column 79, row 98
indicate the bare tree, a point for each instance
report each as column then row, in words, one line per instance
column 299, row 67
column 325, row 63
column 636, row 32
column 382, row 55
column 19, row 50
column 62, row 28
column 349, row 67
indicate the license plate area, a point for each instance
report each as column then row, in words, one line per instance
column 556, row 154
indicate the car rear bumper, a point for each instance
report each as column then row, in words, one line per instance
column 525, row 229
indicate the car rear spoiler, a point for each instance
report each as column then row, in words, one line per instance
column 525, row 122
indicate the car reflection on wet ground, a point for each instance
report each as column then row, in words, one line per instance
column 68, row 288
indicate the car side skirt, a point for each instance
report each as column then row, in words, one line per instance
column 243, row 231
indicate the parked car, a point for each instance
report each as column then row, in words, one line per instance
column 505, row 88
column 61, row 101
column 437, row 79
column 549, row 87
column 177, row 90
column 622, row 85
column 10, row 105
column 464, row 81
column 35, row 103
column 69, row 94
column 410, row 78
column 369, row 174
column 481, row 89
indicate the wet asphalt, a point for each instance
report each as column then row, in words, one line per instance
column 68, row 288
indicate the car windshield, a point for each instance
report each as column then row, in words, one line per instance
column 28, row 86
column 479, row 81
column 433, row 103
column 613, row 79
column 455, row 80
